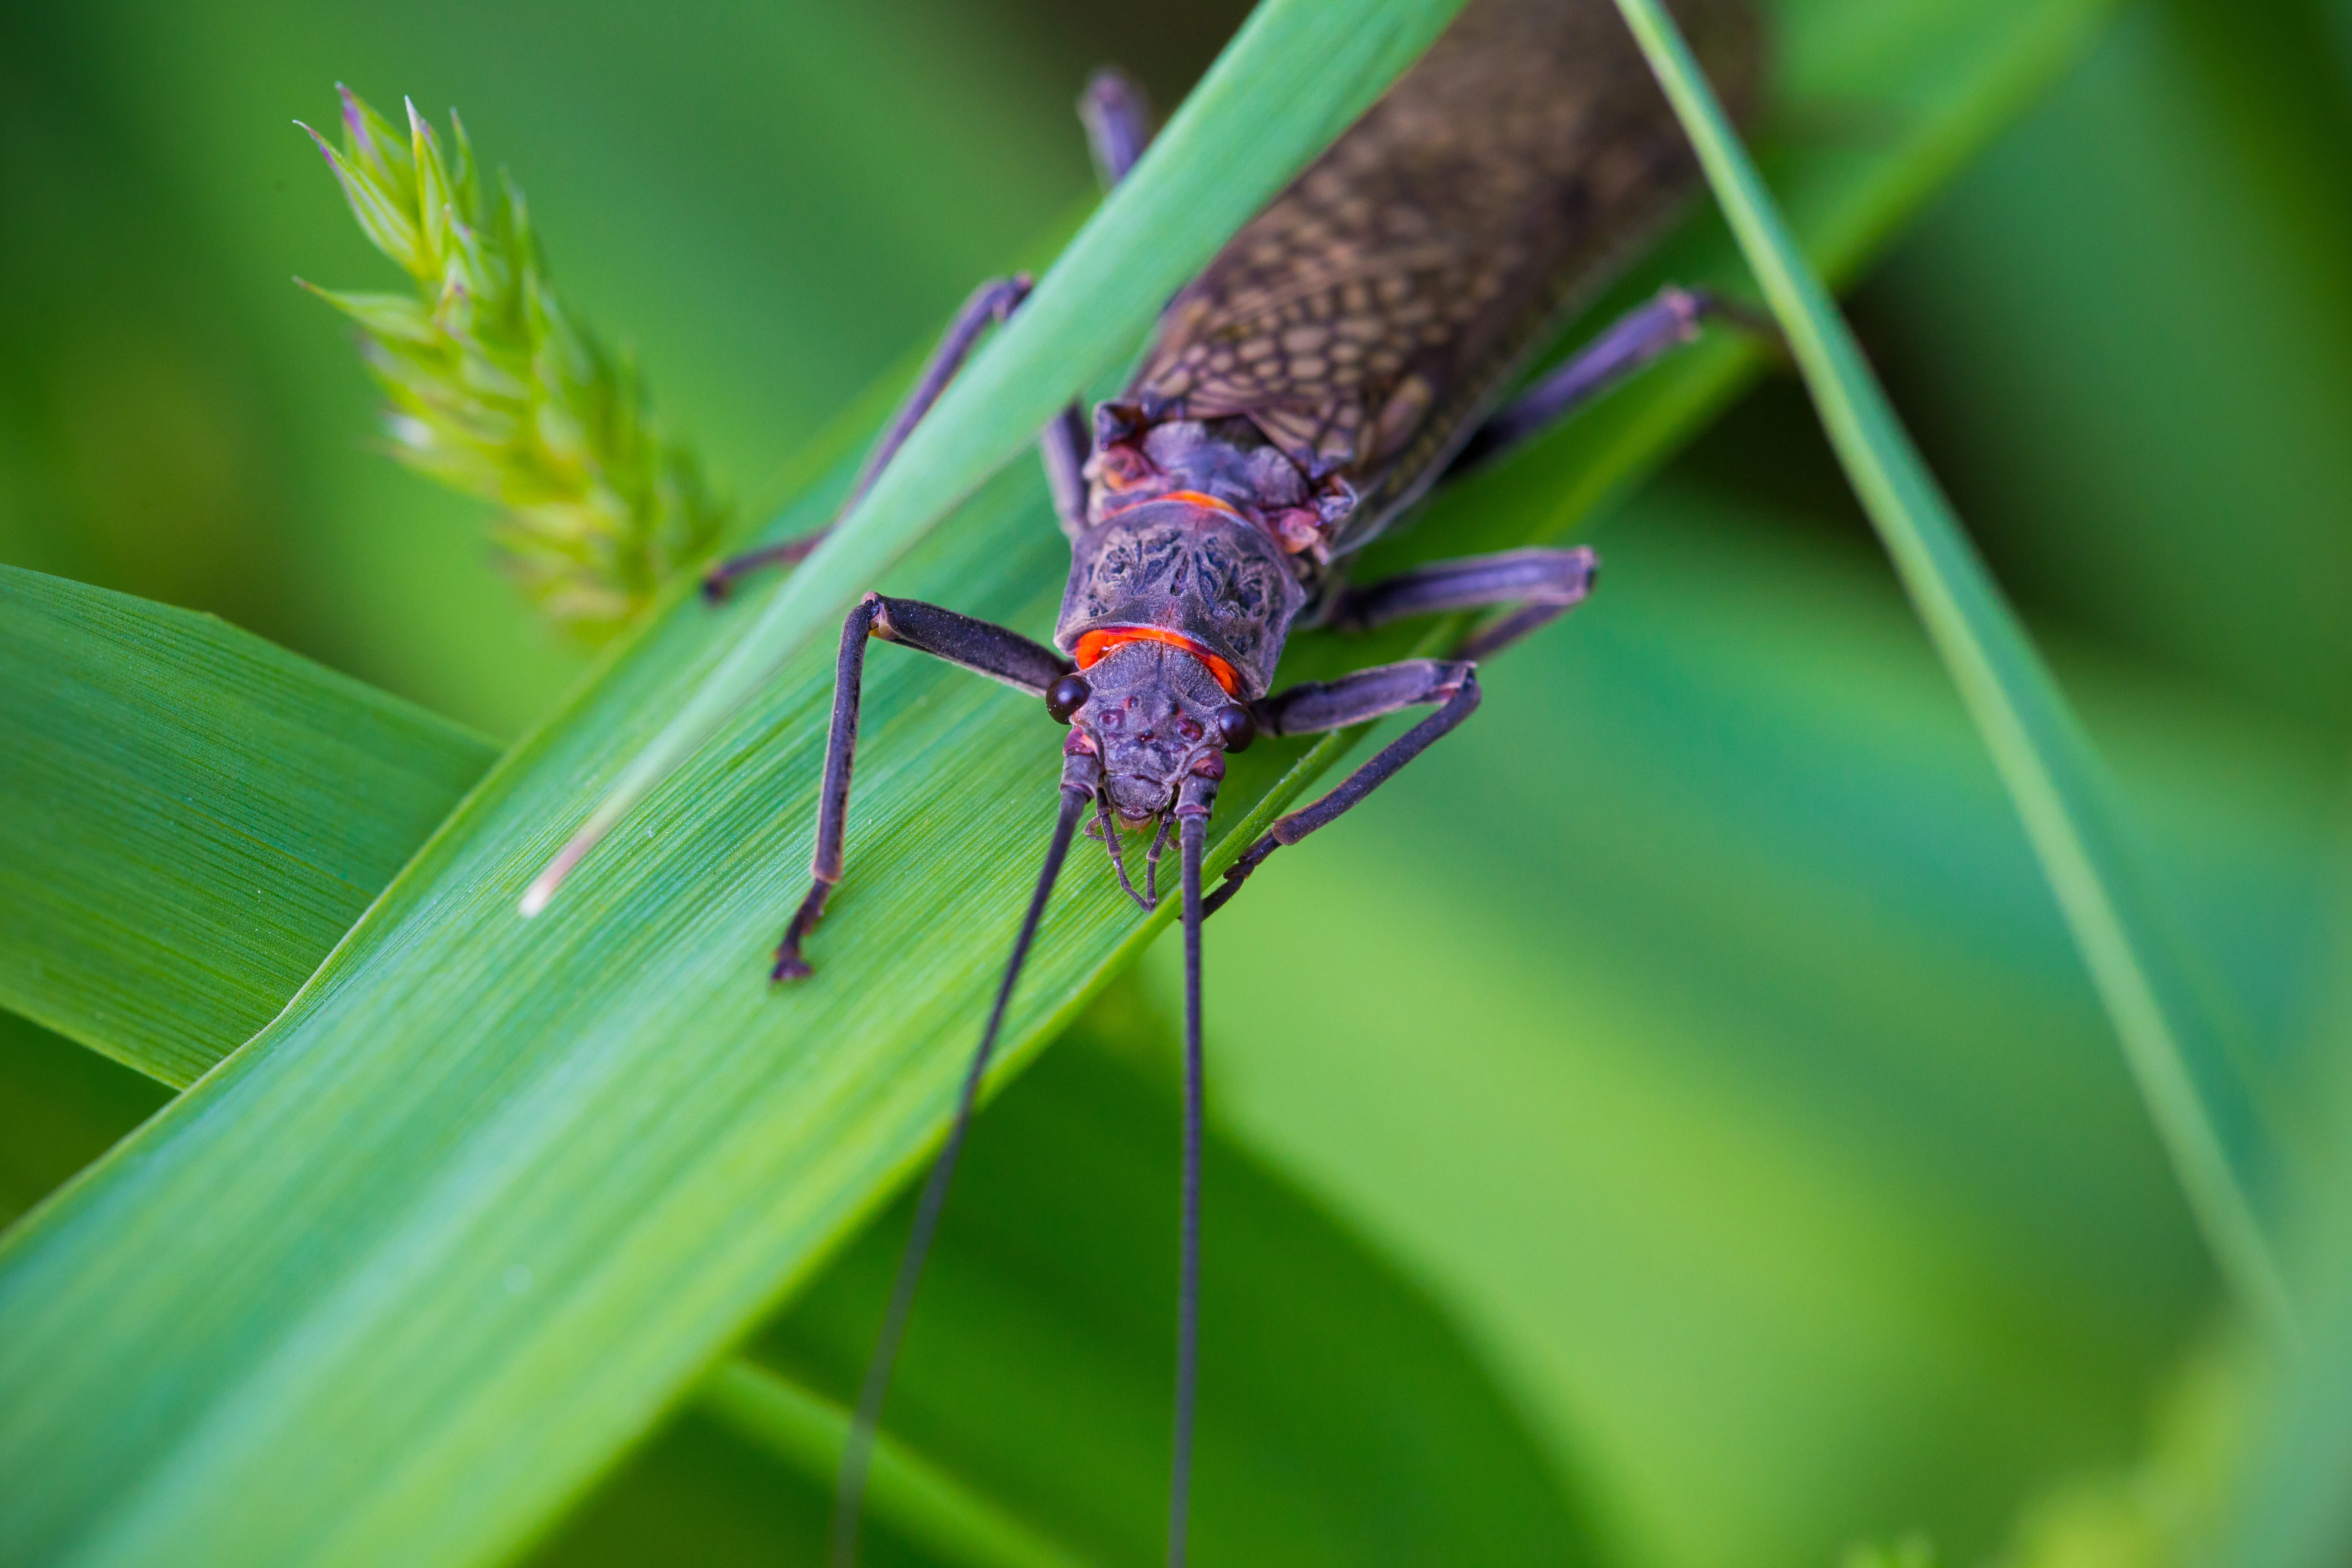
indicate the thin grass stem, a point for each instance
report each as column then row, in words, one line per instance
column 2206, row 1110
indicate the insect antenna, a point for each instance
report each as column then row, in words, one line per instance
column 857, row 1453
column 1118, row 863
column 1194, row 837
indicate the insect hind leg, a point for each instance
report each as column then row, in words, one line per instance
column 1643, row 334
column 1118, row 118
column 992, row 303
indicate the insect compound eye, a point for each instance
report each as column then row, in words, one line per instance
column 1237, row 726
column 1065, row 697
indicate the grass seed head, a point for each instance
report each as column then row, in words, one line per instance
column 493, row 389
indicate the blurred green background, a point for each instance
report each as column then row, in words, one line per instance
column 1695, row 1032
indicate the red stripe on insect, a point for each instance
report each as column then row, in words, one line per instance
column 1195, row 497
column 1094, row 644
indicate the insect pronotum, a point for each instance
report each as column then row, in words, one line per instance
column 1346, row 351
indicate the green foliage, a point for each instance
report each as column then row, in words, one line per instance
column 1699, row 1024
column 1343, row 1419
column 189, row 819
column 2287, row 1503
column 783, row 1117
column 2164, row 1512
column 496, row 392
column 907, row 1492
column 1910, row 1552
column 2197, row 1092
column 1720, row 1071
column 61, row 1108
column 671, row 1229
column 1278, row 1465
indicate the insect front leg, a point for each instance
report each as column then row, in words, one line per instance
column 1544, row 583
column 1644, row 333
column 978, row 645
column 992, row 302
column 1358, row 699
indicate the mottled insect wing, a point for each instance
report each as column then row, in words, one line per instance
column 1372, row 313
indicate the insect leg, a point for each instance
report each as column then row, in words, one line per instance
column 1118, row 118
column 1631, row 342
column 993, row 301
column 1064, row 448
column 1118, row 127
column 1544, row 583
column 1357, row 698
column 974, row 644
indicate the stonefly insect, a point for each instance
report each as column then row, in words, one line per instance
column 1346, row 351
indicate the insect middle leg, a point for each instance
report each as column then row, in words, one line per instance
column 1544, row 583
column 978, row 645
column 1317, row 705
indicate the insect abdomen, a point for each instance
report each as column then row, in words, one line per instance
column 1368, row 315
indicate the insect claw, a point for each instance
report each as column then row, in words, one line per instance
column 790, row 964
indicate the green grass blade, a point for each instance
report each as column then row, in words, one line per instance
column 2204, row 1108
column 490, row 1194
column 189, row 819
column 1298, row 73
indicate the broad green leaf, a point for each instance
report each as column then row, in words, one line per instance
column 169, row 872
column 466, row 1218
column 93, row 671
column 2201, row 1098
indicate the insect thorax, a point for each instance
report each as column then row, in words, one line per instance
column 1191, row 572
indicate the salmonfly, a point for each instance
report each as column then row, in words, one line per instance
column 1347, row 350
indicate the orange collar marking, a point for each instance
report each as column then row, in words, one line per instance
column 1094, row 644
column 1195, row 497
